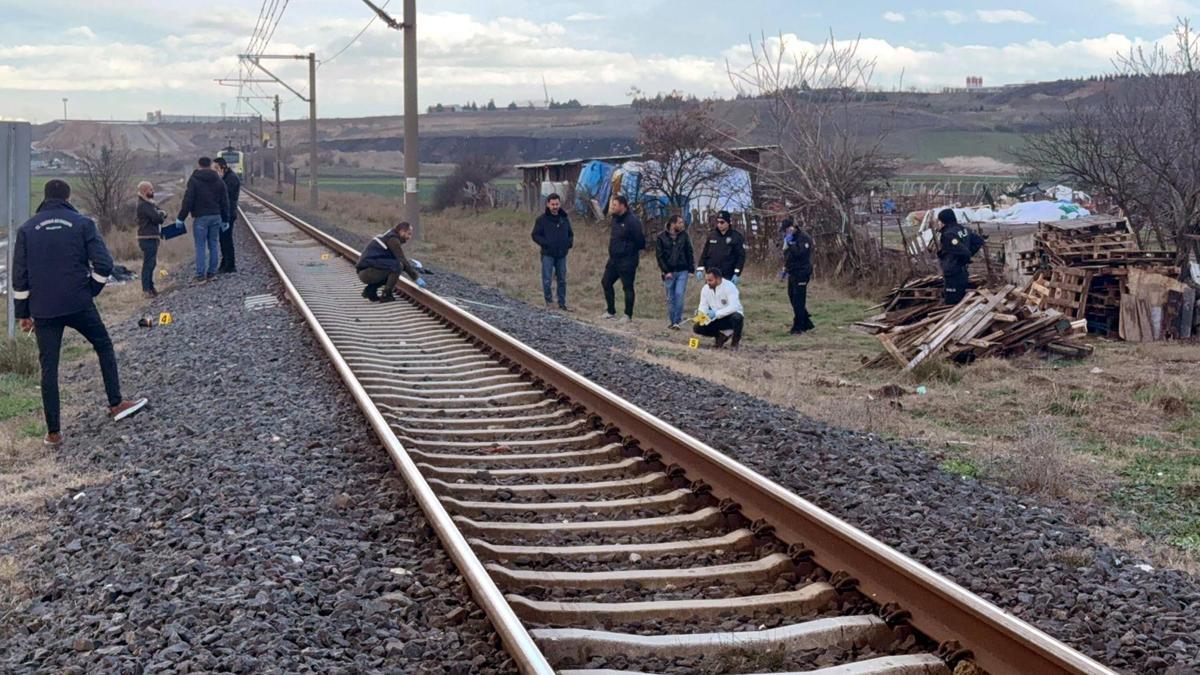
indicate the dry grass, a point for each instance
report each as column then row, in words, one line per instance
column 1121, row 429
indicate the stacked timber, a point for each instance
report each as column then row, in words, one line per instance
column 986, row 323
column 912, row 301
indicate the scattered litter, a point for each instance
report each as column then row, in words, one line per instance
column 1144, row 567
column 297, row 560
column 400, row 571
column 253, row 302
column 922, row 390
column 79, row 496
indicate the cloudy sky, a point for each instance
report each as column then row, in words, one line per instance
column 118, row 59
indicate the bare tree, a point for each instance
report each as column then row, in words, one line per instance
column 470, row 184
column 681, row 148
column 107, row 182
column 815, row 104
column 1140, row 144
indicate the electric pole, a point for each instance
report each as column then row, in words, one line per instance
column 312, row 130
column 412, row 153
column 311, row 99
column 278, row 151
column 64, row 109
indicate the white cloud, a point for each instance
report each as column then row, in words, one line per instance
column 894, row 17
column 586, row 16
column 953, row 16
column 1005, row 16
column 81, row 31
column 1154, row 12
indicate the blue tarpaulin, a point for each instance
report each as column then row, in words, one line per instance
column 595, row 183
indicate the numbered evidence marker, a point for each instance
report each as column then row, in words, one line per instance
column 165, row 319
column 162, row 273
column 693, row 343
column 326, row 256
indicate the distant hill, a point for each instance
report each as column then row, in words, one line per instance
column 950, row 133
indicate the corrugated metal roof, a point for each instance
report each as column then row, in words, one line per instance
column 626, row 158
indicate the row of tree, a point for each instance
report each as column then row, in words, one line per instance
column 491, row 105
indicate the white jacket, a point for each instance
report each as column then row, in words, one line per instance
column 723, row 299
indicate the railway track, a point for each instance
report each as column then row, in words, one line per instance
column 599, row 539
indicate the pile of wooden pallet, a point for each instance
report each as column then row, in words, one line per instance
column 911, row 301
column 1084, row 268
column 1007, row 322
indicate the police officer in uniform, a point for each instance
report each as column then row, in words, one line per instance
column 954, row 256
column 724, row 249
column 797, row 256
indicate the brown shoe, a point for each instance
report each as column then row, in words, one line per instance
column 127, row 409
column 53, row 440
column 721, row 340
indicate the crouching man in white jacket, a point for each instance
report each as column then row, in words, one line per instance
column 719, row 301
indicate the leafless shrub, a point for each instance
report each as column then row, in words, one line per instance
column 812, row 102
column 107, row 188
column 682, row 147
column 1042, row 461
column 469, row 184
column 1140, row 145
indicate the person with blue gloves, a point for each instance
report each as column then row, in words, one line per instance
column 721, row 305
column 233, row 185
column 725, row 249
column 382, row 262
column 206, row 199
column 797, row 257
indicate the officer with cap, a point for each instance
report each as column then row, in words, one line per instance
column 725, row 249
column 954, row 256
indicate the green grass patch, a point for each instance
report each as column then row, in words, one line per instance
column 18, row 396
column 34, row 428
column 19, row 356
column 960, row 467
column 1162, row 489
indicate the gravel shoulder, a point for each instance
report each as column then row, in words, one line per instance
column 236, row 530
column 1033, row 557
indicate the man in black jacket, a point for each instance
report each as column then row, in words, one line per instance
column 954, row 256
column 625, row 242
column 725, row 248
column 149, row 233
column 233, row 187
column 207, row 201
column 673, row 250
column 59, row 264
column 552, row 232
column 797, row 256
column 383, row 260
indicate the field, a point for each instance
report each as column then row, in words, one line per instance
column 1117, row 434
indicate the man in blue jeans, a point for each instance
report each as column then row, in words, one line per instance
column 207, row 201
column 552, row 232
column 673, row 250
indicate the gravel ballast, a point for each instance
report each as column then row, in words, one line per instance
column 251, row 524
column 1022, row 553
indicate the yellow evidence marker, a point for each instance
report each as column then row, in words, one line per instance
column 326, row 256
column 693, row 343
column 165, row 319
column 162, row 273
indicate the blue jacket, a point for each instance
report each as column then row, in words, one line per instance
column 60, row 262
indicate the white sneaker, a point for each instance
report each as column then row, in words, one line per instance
column 608, row 317
column 126, row 409
column 624, row 319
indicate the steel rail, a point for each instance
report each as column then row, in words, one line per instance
column 999, row 642
column 512, row 632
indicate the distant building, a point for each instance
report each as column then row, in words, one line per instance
column 157, row 117
column 974, row 82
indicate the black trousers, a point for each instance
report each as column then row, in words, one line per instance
column 227, row 257
column 956, row 282
column 149, row 262
column 798, row 296
column 49, row 338
column 375, row 277
column 733, row 322
column 624, row 269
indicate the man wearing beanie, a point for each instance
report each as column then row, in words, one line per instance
column 797, row 256
column 954, row 256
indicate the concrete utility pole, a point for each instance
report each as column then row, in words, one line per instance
column 311, row 99
column 64, row 109
column 412, row 153
column 312, row 130
column 278, row 151
column 16, row 140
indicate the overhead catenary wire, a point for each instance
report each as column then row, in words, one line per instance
column 355, row 38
